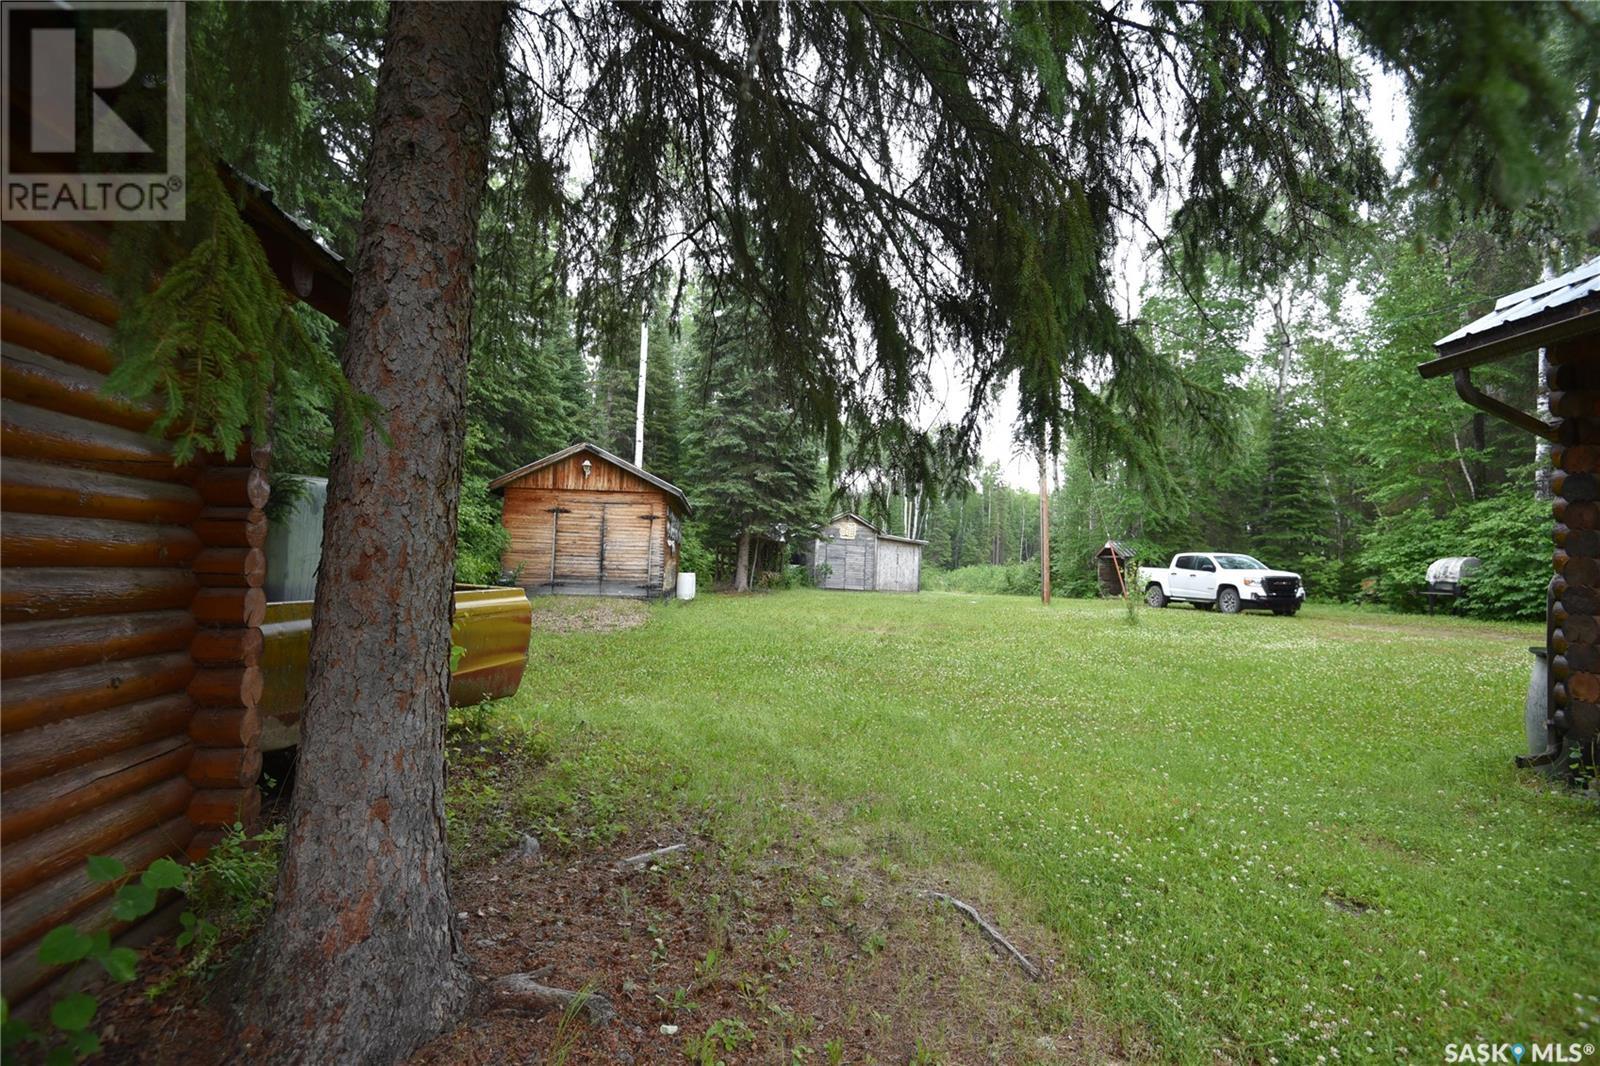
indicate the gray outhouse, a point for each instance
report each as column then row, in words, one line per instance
column 852, row 553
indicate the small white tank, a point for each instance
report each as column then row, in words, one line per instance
column 1536, row 709
column 686, row 586
column 1453, row 571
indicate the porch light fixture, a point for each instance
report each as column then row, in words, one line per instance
column 587, row 467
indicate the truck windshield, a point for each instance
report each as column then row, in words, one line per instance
column 1240, row 562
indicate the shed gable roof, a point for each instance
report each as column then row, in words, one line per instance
column 857, row 519
column 600, row 453
column 880, row 534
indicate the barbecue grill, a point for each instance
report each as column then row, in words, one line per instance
column 1448, row 578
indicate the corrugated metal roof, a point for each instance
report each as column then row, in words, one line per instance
column 1546, row 296
column 270, row 200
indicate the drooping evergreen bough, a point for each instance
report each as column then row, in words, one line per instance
column 885, row 183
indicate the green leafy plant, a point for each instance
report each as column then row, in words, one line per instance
column 1131, row 601
column 457, row 651
column 723, row 1035
column 707, row 969
column 230, row 892
column 678, row 1002
column 70, row 1036
column 232, row 887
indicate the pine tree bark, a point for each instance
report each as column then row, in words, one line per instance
column 741, row 566
column 360, row 960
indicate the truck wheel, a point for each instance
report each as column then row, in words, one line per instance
column 1155, row 597
column 1228, row 601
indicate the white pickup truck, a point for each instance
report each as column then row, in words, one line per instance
column 1231, row 583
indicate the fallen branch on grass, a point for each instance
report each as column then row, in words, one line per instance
column 634, row 862
column 990, row 933
column 521, row 991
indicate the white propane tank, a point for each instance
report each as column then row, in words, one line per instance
column 1453, row 571
column 1537, row 708
column 686, row 586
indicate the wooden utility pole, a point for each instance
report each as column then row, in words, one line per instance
column 638, row 410
column 1044, row 527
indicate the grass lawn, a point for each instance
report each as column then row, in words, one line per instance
column 1280, row 838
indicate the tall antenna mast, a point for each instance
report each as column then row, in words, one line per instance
column 638, row 414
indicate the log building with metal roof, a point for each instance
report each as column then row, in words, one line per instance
column 1561, row 316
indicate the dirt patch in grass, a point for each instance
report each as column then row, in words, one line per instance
column 587, row 614
column 766, row 948
column 786, row 958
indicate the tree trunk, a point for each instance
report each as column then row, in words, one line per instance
column 1044, row 529
column 741, row 566
column 360, row 960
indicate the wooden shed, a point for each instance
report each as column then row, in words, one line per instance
column 584, row 522
column 1110, row 563
column 852, row 553
column 131, row 595
column 1562, row 317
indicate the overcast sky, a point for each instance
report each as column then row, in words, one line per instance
column 1387, row 113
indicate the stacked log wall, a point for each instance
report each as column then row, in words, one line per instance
column 124, row 602
column 228, row 609
column 1574, row 623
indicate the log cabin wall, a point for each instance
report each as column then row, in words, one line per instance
column 1574, row 623
column 607, row 533
column 129, row 597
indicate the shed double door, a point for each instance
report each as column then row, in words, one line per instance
column 899, row 566
column 607, row 547
column 848, row 563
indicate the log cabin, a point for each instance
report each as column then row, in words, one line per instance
column 584, row 522
column 1561, row 318
column 130, row 596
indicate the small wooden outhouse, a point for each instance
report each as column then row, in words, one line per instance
column 852, row 553
column 1110, row 563
column 584, row 522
